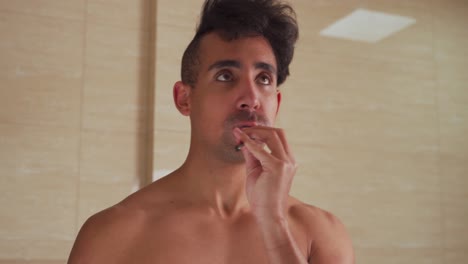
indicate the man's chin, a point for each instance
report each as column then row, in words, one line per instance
column 231, row 155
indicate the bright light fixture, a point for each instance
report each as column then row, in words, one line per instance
column 368, row 26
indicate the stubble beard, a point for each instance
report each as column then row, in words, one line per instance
column 226, row 150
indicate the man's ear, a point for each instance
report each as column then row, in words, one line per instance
column 278, row 97
column 181, row 94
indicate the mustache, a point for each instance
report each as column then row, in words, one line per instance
column 247, row 116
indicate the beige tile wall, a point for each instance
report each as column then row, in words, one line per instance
column 380, row 130
column 75, row 98
column 175, row 26
column 114, row 114
column 451, row 56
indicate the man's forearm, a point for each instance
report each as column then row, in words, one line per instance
column 279, row 242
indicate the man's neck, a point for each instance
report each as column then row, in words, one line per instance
column 216, row 184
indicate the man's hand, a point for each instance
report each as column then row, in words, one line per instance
column 269, row 177
column 269, row 172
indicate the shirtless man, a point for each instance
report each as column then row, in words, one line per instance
column 229, row 202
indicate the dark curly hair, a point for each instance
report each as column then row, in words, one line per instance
column 233, row 19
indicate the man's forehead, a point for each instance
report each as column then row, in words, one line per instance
column 214, row 48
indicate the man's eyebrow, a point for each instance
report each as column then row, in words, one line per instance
column 224, row 63
column 266, row 66
column 237, row 64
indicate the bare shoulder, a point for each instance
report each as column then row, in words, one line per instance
column 330, row 241
column 105, row 236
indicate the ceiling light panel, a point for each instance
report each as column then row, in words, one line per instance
column 368, row 26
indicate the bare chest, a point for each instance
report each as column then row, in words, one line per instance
column 202, row 242
column 202, row 250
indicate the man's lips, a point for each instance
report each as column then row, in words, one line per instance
column 246, row 124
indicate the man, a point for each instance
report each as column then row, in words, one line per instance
column 229, row 202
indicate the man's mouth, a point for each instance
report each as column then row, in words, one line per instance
column 246, row 125
column 243, row 125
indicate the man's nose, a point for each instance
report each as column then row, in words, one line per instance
column 249, row 96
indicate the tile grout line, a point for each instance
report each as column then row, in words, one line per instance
column 438, row 129
column 151, row 93
column 16, row 12
column 79, row 156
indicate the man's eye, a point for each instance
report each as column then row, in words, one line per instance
column 224, row 77
column 264, row 79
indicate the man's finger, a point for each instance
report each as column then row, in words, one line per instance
column 271, row 138
column 256, row 149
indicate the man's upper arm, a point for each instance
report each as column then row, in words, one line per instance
column 333, row 245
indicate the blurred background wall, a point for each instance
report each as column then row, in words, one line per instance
column 75, row 109
column 380, row 130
